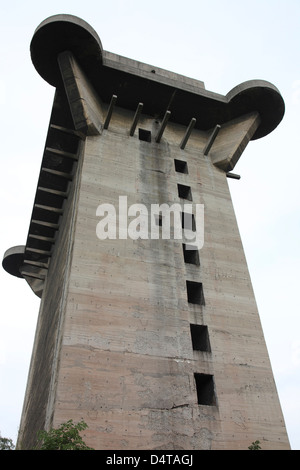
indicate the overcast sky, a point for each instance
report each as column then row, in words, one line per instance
column 222, row 43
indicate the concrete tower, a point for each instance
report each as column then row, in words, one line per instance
column 154, row 341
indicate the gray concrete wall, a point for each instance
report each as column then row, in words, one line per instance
column 41, row 387
column 127, row 363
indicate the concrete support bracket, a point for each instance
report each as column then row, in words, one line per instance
column 84, row 103
column 232, row 140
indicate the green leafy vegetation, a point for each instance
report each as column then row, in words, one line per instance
column 65, row 437
column 6, row 444
column 255, row 446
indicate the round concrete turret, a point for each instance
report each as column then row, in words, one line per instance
column 13, row 259
column 260, row 96
column 59, row 33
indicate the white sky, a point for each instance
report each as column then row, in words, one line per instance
column 223, row 43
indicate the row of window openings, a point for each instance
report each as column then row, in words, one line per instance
column 200, row 342
column 185, row 192
column 199, row 333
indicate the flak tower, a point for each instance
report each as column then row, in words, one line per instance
column 154, row 341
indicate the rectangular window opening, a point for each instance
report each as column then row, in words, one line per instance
column 200, row 338
column 190, row 254
column 144, row 135
column 195, row 292
column 158, row 219
column 184, row 192
column 181, row 166
column 188, row 221
column 205, row 389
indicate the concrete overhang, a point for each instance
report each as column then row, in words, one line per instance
column 133, row 82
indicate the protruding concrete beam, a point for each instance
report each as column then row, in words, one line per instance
column 39, row 237
column 187, row 133
column 62, row 153
column 49, row 208
column 163, row 126
column 37, row 251
column 64, row 130
column 136, row 118
column 53, row 191
column 37, row 264
column 45, row 224
column 110, row 110
column 25, row 274
column 61, row 174
column 233, row 175
column 211, row 139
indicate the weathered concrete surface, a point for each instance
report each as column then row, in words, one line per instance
column 232, row 140
column 113, row 343
column 84, row 105
column 126, row 361
column 45, row 356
